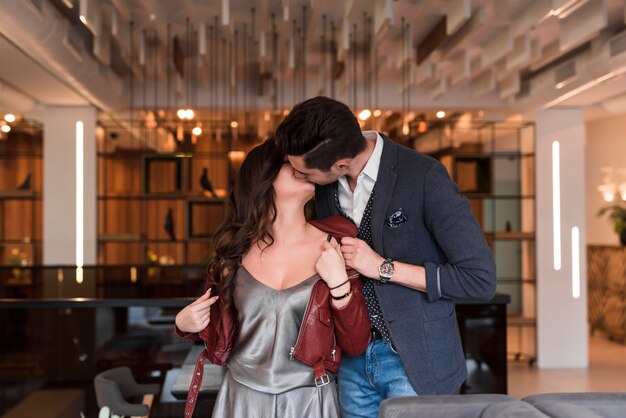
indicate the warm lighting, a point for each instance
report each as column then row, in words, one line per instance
column 575, row 262
column 9, row 117
column 377, row 113
column 608, row 192
column 234, row 124
column 365, row 114
column 441, row 114
column 197, row 131
column 556, row 204
column 60, row 275
column 422, row 126
column 285, row 112
column 236, row 155
column 185, row 114
column 83, row 19
column 79, row 201
column 5, row 128
column 405, row 129
column 266, row 116
column 133, row 274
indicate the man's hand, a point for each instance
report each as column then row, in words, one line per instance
column 361, row 257
column 196, row 316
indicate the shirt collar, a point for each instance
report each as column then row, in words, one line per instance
column 371, row 168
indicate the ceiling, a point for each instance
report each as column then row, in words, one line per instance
column 410, row 56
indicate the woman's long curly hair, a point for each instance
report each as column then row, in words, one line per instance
column 250, row 213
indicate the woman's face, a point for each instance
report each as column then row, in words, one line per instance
column 287, row 185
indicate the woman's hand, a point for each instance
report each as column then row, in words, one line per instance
column 330, row 265
column 196, row 316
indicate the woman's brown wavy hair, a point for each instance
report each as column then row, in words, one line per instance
column 250, row 213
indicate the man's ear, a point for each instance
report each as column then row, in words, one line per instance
column 343, row 165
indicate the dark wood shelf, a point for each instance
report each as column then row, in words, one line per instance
column 20, row 195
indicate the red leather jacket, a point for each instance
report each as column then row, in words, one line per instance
column 324, row 334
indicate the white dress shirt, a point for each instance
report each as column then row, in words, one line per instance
column 353, row 203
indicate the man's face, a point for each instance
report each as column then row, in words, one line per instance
column 313, row 175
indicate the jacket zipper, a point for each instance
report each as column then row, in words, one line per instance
column 293, row 349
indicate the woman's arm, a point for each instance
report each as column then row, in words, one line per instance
column 352, row 324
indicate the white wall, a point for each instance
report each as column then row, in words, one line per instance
column 59, row 189
column 562, row 332
column 606, row 146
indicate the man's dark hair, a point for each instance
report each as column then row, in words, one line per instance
column 322, row 130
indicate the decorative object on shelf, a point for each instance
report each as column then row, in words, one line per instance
column 153, row 259
column 206, row 183
column 19, row 259
column 617, row 215
column 168, row 225
column 26, row 183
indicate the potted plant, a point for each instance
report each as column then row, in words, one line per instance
column 617, row 215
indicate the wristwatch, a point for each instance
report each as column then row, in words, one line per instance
column 385, row 270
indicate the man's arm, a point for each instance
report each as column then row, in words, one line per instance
column 470, row 268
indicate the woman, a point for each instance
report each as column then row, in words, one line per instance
column 286, row 307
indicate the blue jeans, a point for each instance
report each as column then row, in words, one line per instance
column 365, row 381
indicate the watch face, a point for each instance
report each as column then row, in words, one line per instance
column 386, row 270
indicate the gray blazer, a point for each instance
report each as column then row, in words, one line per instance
column 419, row 217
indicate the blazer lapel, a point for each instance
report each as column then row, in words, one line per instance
column 385, row 184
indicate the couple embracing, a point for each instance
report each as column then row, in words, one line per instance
column 328, row 317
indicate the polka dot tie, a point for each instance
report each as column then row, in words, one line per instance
column 365, row 233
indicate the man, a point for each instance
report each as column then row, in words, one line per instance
column 419, row 248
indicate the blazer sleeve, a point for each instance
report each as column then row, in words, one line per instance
column 470, row 268
column 352, row 324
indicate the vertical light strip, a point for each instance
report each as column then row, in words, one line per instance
column 79, row 202
column 575, row 262
column 556, row 203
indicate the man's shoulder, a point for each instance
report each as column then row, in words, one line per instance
column 410, row 159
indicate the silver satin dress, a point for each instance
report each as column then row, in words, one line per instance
column 261, row 380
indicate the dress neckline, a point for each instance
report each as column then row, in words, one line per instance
column 274, row 289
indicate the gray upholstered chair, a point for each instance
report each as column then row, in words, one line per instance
column 580, row 405
column 115, row 386
column 448, row 406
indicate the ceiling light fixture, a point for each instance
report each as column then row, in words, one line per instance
column 197, row 131
column 187, row 114
column 441, row 114
column 5, row 128
column 365, row 114
column 9, row 117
